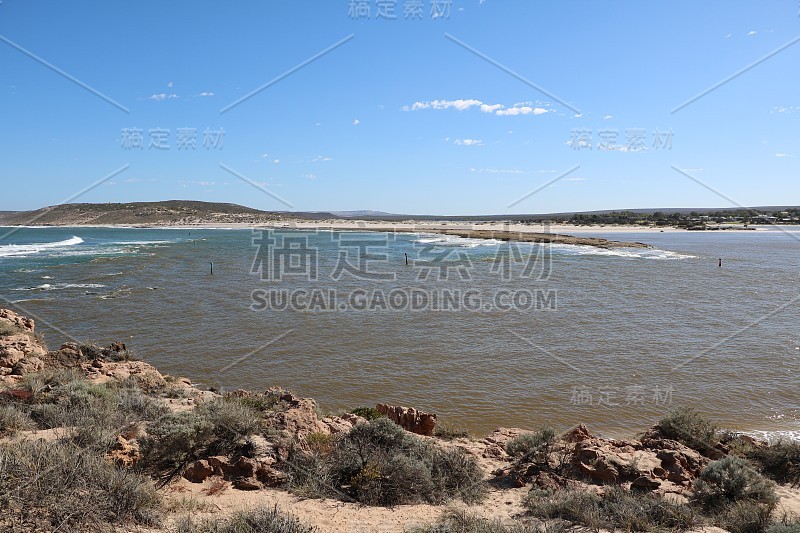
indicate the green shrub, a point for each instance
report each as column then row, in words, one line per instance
column 7, row 329
column 262, row 520
column 731, row 480
column 381, row 464
column 459, row 521
column 746, row 516
column 256, row 402
column 779, row 461
column 370, row 413
column 573, row 506
column 177, row 439
column 532, row 447
column 231, row 420
column 14, row 417
column 98, row 413
column 448, row 432
column 787, row 527
column 689, row 427
column 57, row 485
column 457, row 475
column 616, row 508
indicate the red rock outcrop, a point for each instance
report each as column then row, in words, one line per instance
column 409, row 418
column 244, row 474
column 20, row 350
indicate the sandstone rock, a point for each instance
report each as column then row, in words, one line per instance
column 125, row 452
column 579, row 434
column 198, row 471
column 14, row 348
column 547, row 482
column 244, row 483
column 28, row 365
column 299, row 419
column 495, row 442
column 342, row 424
column 409, row 418
column 270, row 477
column 143, row 374
column 244, row 474
column 676, row 466
column 19, row 345
column 21, row 322
column 644, row 484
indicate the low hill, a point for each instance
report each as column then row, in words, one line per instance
column 162, row 213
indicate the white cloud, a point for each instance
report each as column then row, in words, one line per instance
column 206, row 93
column 782, row 154
column 162, row 96
column 460, row 105
column 574, row 179
column 487, row 108
column 201, row 183
column 522, row 108
column 356, row 122
column 751, row 33
column 497, row 170
column 321, row 158
column 311, row 176
column 276, row 161
column 608, row 117
column 468, row 142
column 169, row 85
column 785, row 109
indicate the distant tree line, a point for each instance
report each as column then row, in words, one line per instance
column 678, row 219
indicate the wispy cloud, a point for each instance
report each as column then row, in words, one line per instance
column 321, row 158
column 162, row 96
column 356, row 122
column 782, row 154
column 751, row 33
column 496, row 170
column 522, row 108
column 201, row 183
column 468, row 142
column 785, row 109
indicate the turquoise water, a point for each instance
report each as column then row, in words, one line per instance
column 615, row 339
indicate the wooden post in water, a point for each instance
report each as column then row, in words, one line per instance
column 212, row 267
column 406, row 254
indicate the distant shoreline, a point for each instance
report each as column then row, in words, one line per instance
column 507, row 232
column 554, row 234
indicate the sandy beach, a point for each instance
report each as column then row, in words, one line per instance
column 417, row 226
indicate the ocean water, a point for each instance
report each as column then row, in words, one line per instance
column 484, row 333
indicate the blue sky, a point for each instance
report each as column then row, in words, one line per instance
column 401, row 117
